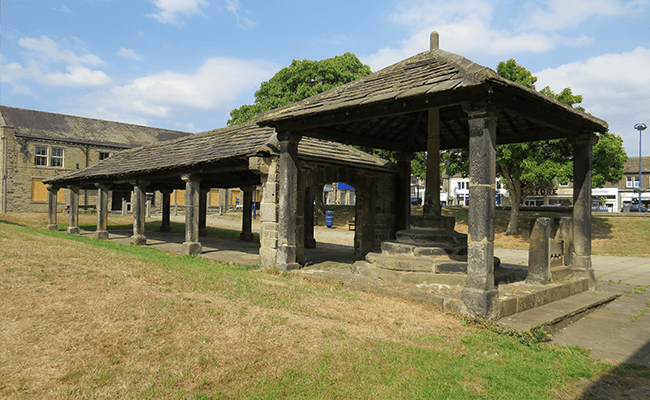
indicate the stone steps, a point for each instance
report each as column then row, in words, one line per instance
column 408, row 263
column 554, row 316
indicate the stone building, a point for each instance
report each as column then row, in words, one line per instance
column 37, row 145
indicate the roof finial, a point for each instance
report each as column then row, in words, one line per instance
column 435, row 41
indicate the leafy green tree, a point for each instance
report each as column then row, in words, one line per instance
column 302, row 79
column 522, row 166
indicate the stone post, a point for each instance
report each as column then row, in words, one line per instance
column 582, row 165
column 288, row 201
column 247, row 218
column 310, row 242
column 403, row 191
column 52, row 192
column 166, row 209
column 192, row 193
column 480, row 295
column 432, row 188
column 539, row 253
column 203, row 211
column 102, row 211
column 139, row 212
column 73, row 227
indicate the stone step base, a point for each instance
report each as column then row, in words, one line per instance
column 416, row 264
column 455, row 251
column 429, row 236
column 561, row 273
column 559, row 314
column 520, row 297
column 371, row 271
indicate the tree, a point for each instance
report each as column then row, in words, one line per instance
column 525, row 165
column 302, row 79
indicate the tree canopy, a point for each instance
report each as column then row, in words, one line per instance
column 302, row 79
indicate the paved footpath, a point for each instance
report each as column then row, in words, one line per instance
column 619, row 332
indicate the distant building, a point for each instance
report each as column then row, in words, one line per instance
column 36, row 145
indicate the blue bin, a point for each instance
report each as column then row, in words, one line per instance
column 329, row 218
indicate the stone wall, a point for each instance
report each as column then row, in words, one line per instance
column 21, row 175
column 375, row 208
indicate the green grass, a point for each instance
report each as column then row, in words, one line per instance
column 480, row 364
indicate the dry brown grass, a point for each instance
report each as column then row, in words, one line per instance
column 81, row 321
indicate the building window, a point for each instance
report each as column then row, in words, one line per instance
column 631, row 181
column 463, row 185
column 56, row 157
column 40, row 156
column 103, row 155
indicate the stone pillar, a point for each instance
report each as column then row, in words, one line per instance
column 139, row 210
column 403, row 191
column 539, row 252
column 310, row 242
column 432, row 188
column 73, row 227
column 582, row 165
column 247, row 218
column 166, row 209
column 288, row 201
column 203, row 211
column 192, row 193
column 52, row 192
column 102, row 211
column 267, row 168
column 480, row 295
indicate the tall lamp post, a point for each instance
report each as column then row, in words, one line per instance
column 640, row 127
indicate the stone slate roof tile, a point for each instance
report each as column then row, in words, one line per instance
column 66, row 128
column 217, row 146
column 432, row 71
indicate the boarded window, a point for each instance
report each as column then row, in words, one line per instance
column 39, row 191
column 235, row 197
column 179, row 197
column 214, row 197
column 40, row 155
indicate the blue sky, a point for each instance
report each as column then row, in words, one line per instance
column 185, row 64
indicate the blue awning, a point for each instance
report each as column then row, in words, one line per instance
column 345, row 186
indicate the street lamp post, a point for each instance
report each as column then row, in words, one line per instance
column 640, row 127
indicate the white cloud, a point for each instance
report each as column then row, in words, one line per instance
column 559, row 14
column 128, row 53
column 216, row 85
column 63, row 9
column 169, row 10
column 242, row 22
column 49, row 51
column 78, row 77
column 615, row 88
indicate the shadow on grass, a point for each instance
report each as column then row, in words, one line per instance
column 176, row 227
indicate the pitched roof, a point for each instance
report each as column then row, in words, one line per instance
column 66, row 128
column 632, row 165
column 220, row 147
column 387, row 108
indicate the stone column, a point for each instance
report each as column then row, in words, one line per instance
column 432, row 188
column 582, row 165
column 73, row 227
column 247, row 218
column 203, row 211
column 52, row 192
column 288, row 201
column 480, row 295
column 102, row 211
column 310, row 242
column 403, row 191
column 139, row 209
column 192, row 193
column 166, row 209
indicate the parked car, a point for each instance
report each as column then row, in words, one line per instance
column 635, row 208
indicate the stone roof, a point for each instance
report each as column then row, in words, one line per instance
column 31, row 124
column 632, row 165
column 387, row 109
column 214, row 149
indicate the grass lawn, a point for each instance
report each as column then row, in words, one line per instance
column 82, row 318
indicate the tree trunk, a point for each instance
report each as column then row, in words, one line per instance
column 513, row 224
